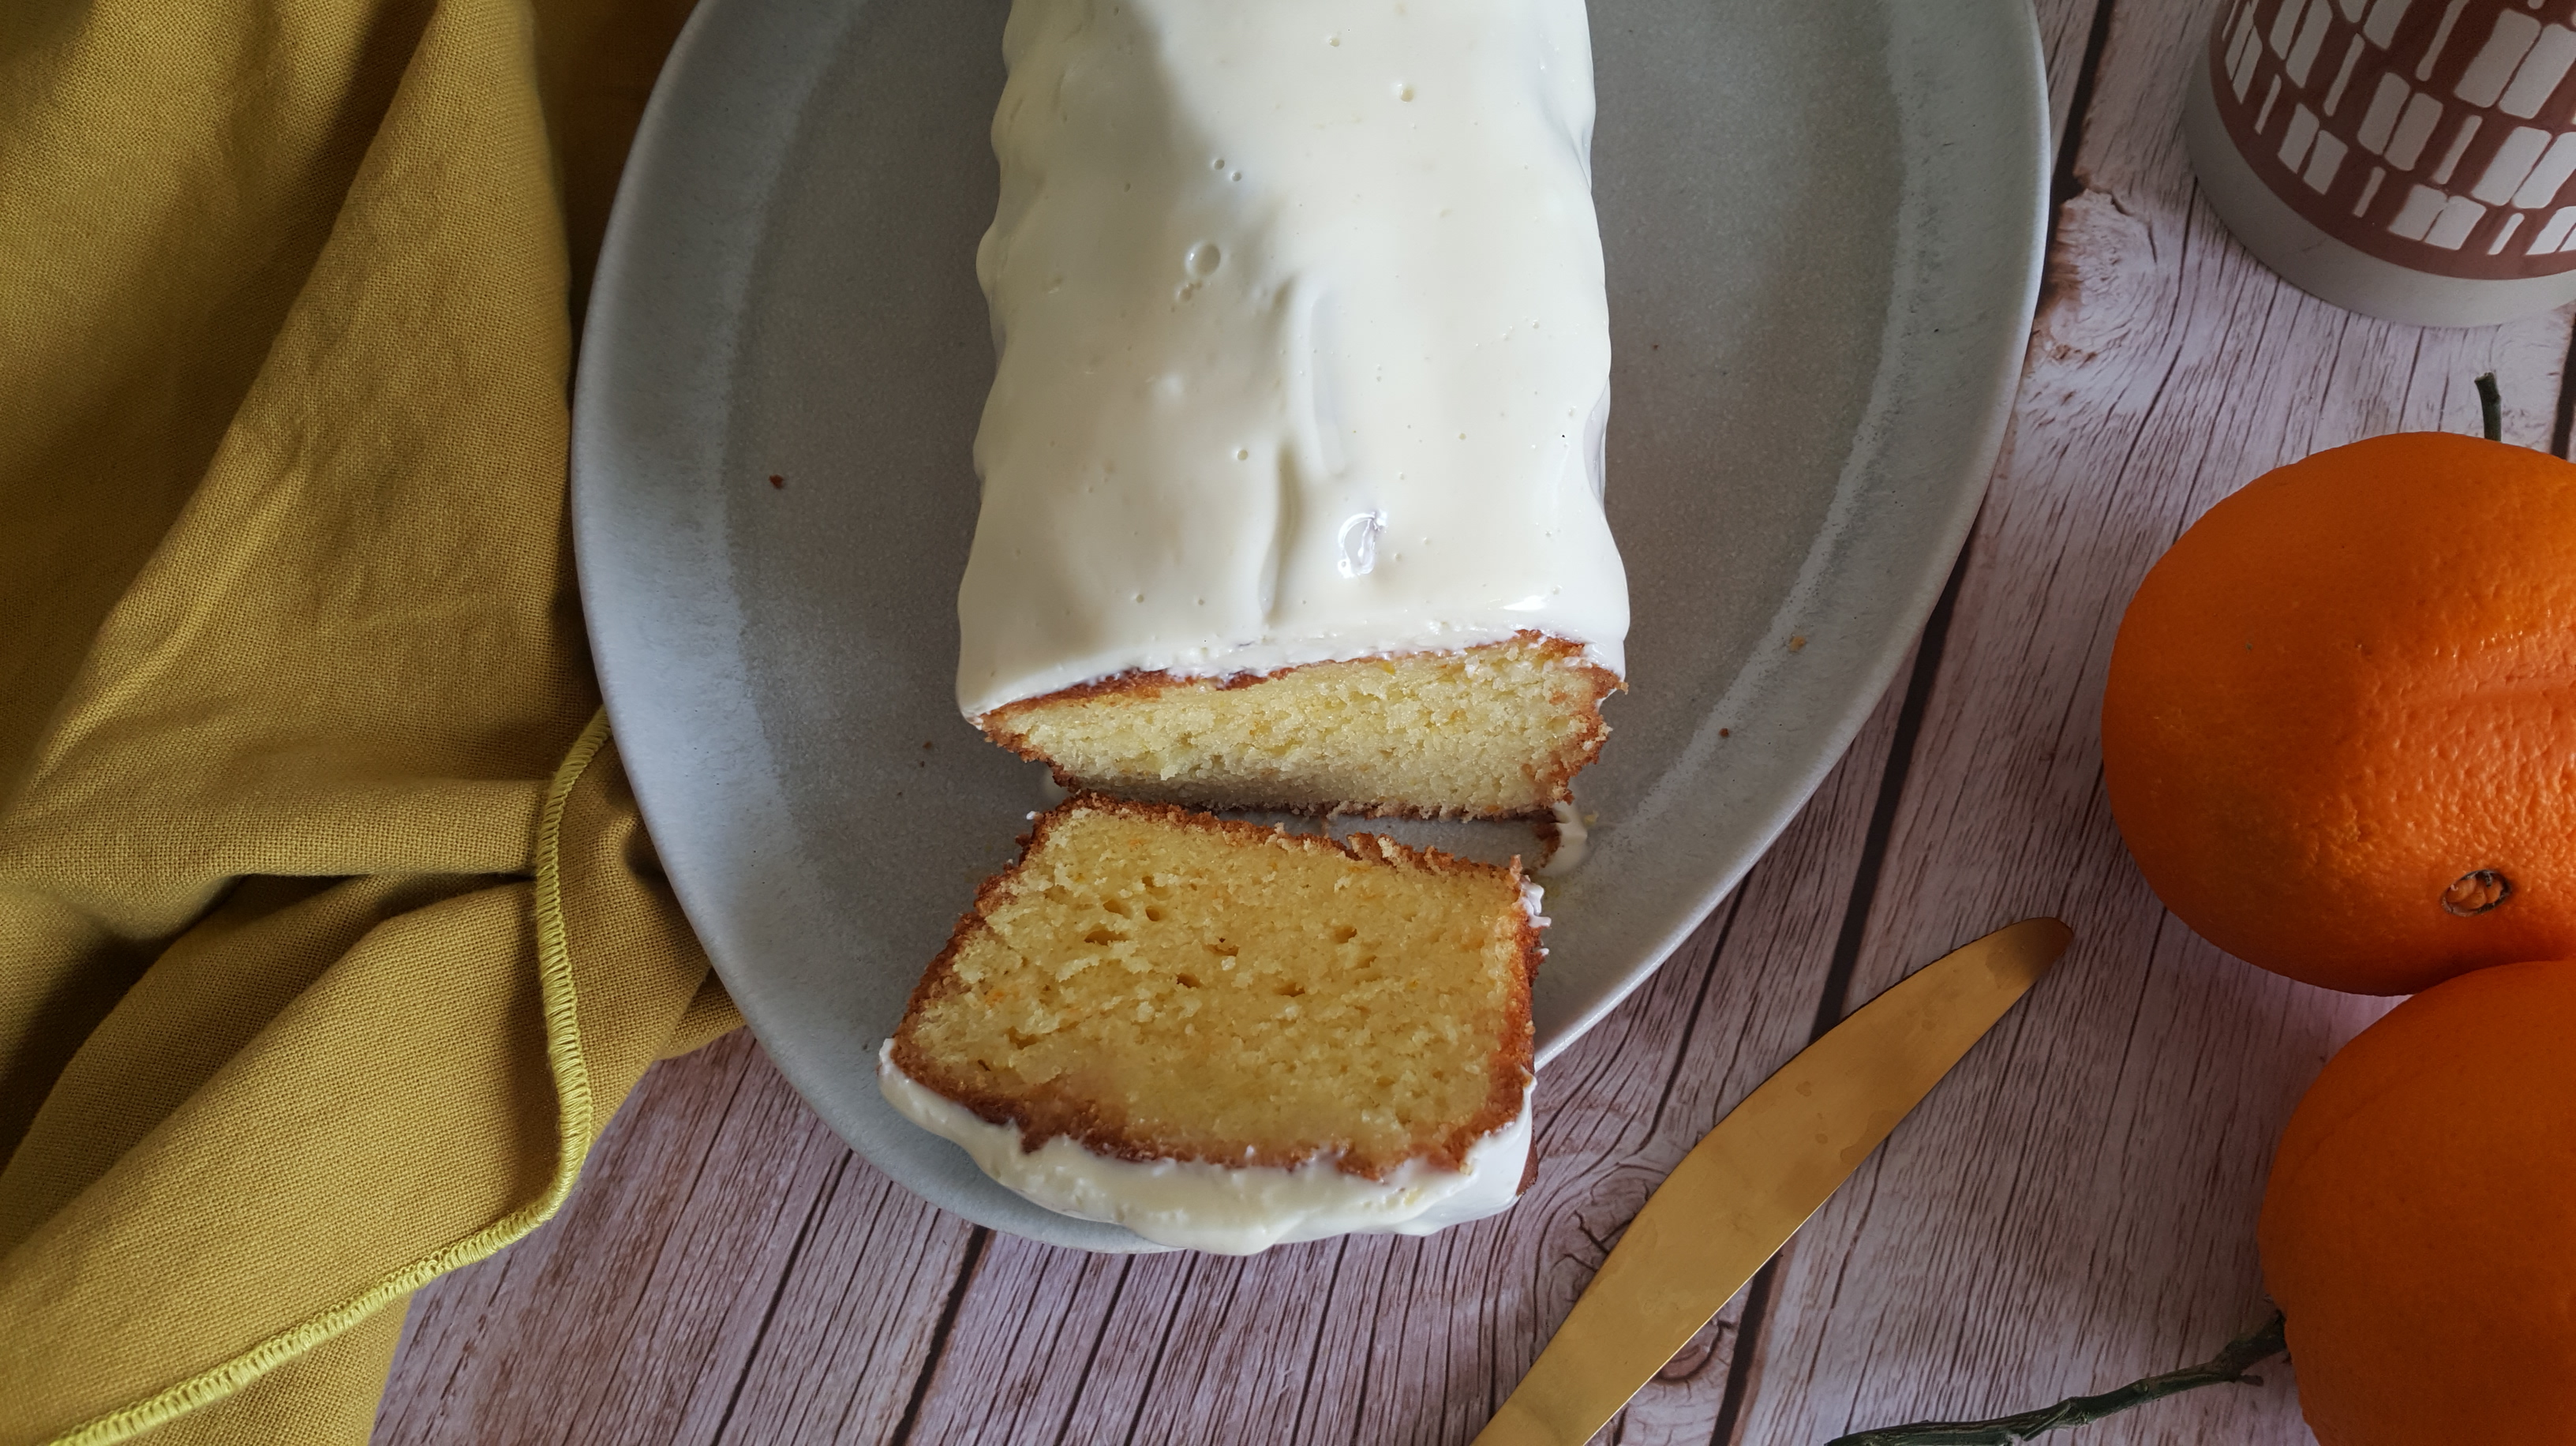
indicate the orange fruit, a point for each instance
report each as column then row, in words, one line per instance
column 2339, row 733
column 2419, row 1230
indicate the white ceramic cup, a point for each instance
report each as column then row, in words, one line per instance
column 2407, row 159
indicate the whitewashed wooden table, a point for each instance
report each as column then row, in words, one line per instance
column 2073, row 1208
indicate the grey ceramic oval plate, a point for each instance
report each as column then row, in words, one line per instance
column 1823, row 226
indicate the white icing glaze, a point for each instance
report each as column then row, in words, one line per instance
column 1227, row 1210
column 1304, row 352
column 1573, row 843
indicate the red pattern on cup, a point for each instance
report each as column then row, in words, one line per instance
column 2436, row 134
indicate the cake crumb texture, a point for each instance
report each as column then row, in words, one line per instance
column 1496, row 731
column 1162, row 985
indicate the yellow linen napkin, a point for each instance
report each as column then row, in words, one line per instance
column 329, row 938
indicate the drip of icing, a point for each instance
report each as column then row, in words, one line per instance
column 1304, row 349
column 1533, row 900
column 1227, row 1210
column 1573, row 843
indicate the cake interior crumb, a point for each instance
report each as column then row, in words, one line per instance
column 1200, row 990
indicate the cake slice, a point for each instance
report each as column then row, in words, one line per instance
column 1224, row 1036
column 1496, row 731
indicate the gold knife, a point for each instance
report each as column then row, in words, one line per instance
column 1742, row 1191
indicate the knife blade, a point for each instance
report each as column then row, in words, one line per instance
column 1746, row 1187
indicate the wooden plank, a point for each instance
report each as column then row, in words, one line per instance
column 2076, row 1207
column 2065, row 37
column 850, row 1327
column 635, row 1313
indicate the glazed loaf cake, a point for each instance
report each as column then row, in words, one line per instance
column 1292, row 465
